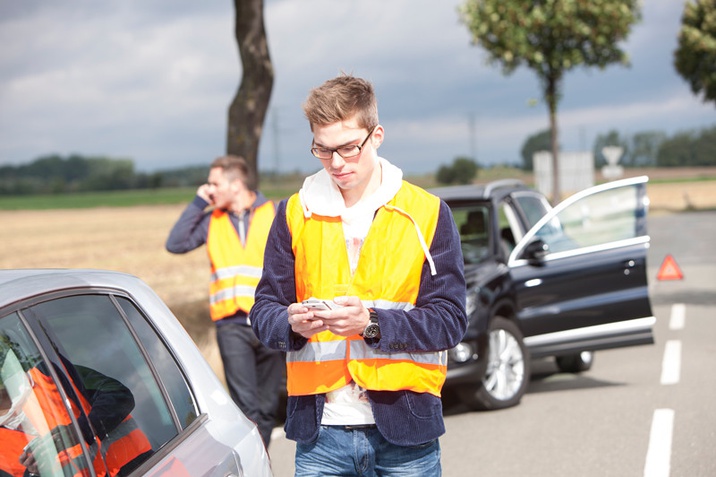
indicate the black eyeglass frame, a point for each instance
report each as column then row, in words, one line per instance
column 314, row 150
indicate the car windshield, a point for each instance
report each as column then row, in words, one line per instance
column 473, row 223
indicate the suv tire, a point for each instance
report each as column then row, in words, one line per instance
column 507, row 373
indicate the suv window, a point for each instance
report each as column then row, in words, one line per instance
column 601, row 218
column 510, row 231
column 473, row 223
column 533, row 207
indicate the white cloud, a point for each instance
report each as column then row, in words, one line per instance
column 152, row 80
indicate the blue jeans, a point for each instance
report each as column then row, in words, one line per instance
column 364, row 452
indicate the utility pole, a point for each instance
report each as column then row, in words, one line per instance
column 473, row 136
column 276, row 141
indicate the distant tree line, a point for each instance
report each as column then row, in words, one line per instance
column 462, row 171
column 55, row 174
column 695, row 148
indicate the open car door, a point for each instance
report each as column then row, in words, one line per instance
column 580, row 273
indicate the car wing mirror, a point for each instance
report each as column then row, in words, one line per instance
column 535, row 252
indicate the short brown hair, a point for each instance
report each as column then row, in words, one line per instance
column 341, row 98
column 236, row 167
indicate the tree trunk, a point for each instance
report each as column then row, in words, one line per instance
column 552, row 99
column 248, row 109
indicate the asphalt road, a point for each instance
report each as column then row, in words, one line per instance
column 643, row 411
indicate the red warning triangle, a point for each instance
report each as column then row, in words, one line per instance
column 669, row 270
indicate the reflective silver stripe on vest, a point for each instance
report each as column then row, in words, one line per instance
column 388, row 305
column 323, row 351
column 229, row 272
column 121, row 431
column 79, row 465
column 71, row 465
column 360, row 350
column 231, row 293
column 319, row 351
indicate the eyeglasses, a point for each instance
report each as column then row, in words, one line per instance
column 346, row 152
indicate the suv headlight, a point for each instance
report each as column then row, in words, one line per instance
column 462, row 353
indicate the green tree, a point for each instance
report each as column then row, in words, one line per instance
column 676, row 151
column 644, row 148
column 462, row 171
column 551, row 37
column 695, row 54
column 109, row 174
column 542, row 141
column 248, row 109
column 689, row 149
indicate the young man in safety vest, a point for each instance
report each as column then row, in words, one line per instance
column 366, row 360
column 234, row 229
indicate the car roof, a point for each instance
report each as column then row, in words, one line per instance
column 492, row 190
column 20, row 284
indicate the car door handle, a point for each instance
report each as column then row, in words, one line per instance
column 628, row 265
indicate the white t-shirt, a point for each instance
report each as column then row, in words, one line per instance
column 349, row 405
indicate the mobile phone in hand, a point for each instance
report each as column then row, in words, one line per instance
column 316, row 304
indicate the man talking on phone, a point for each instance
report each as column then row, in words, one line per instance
column 233, row 219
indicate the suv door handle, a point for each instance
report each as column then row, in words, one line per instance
column 628, row 265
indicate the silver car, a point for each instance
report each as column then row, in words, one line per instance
column 97, row 377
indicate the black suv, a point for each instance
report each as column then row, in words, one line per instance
column 544, row 281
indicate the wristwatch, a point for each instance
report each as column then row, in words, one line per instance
column 372, row 330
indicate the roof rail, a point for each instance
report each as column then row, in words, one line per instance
column 502, row 183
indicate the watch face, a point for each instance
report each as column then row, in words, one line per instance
column 371, row 331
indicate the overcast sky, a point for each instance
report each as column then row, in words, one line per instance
column 151, row 80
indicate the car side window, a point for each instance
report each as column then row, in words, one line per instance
column 38, row 411
column 173, row 379
column 604, row 217
column 473, row 224
column 510, row 232
column 90, row 332
column 533, row 207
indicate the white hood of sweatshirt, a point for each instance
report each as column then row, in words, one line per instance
column 321, row 196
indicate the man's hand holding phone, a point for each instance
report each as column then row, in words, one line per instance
column 316, row 304
column 344, row 316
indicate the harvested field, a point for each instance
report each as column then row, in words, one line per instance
column 678, row 196
column 127, row 239
column 132, row 240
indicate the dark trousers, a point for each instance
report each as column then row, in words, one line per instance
column 254, row 375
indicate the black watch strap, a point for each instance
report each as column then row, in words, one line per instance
column 372, row 330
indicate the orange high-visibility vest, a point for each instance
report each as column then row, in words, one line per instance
column 385, row 277
column 46, row 410
column 236, row 268
column 12, row 443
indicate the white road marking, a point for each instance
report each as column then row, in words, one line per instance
column 678, row 316
column 658, row 457
column 671, row 365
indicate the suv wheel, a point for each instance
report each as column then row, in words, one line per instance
column 507, row 375
column 575, row 363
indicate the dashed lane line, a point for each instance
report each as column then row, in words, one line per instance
column 678, row 317
column 658, row 457
column 671, row 365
